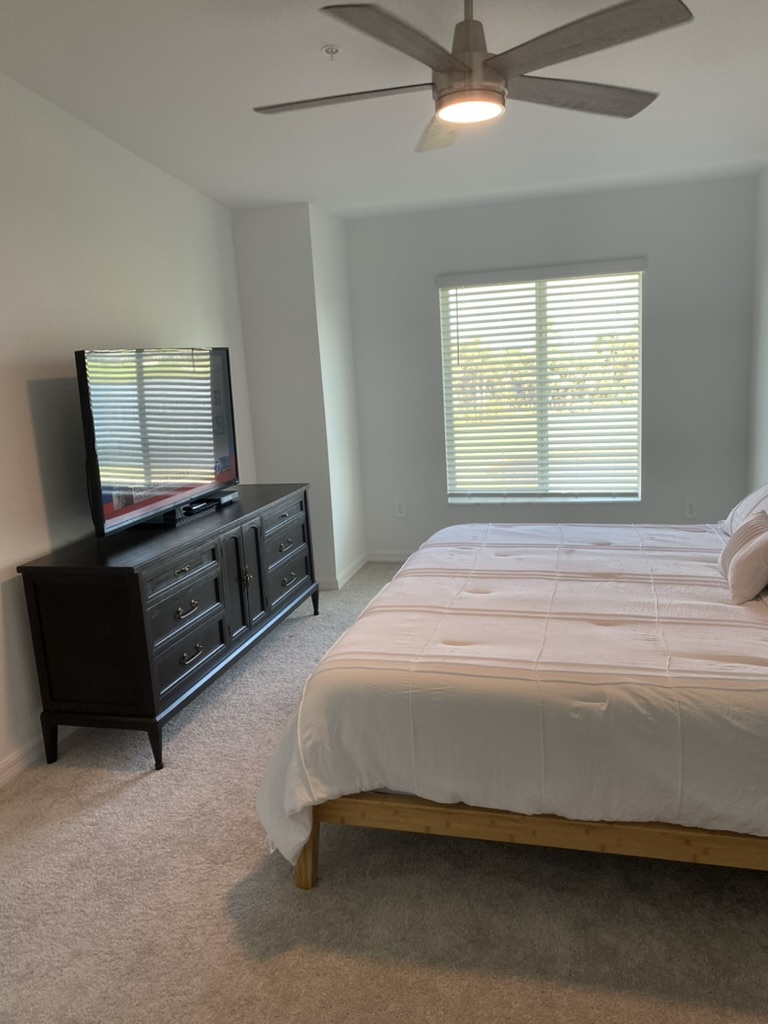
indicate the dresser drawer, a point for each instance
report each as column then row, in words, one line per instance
column 184, row 606
column 286, row 541
column 288, row 578
column 188, row 654
column 178, row 572
column 279, row 516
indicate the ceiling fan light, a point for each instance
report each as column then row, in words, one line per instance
column 470, row 106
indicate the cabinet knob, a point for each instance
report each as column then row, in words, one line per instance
column 247, row 576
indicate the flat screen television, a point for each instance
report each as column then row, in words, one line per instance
column 159, row 433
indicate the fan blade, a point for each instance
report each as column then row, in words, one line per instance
column 393, row 32
column 436, row 135
column 345, row 97
column 591, row 97
column 630, row 20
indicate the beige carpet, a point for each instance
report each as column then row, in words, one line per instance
column 131, row 896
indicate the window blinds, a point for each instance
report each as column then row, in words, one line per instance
column 541, row 382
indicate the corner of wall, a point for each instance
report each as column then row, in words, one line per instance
column 758, row 467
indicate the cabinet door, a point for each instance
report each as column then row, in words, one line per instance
column 243, row 586
column 235, row 594
column 252, row 576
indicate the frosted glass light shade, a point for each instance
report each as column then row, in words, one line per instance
column 468, row 107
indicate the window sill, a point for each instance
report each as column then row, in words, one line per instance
column 544, row 499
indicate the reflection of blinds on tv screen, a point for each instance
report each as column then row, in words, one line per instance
column 156, row 417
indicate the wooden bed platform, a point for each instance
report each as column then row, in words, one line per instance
column 633, row 839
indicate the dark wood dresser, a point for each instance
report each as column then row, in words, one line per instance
column 128, row 629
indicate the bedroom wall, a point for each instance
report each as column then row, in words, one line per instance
column 339, row 395
column 699, row 240
column 97, row 249
column 759, row 421
column 292, row 272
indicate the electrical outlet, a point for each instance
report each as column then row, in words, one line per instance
column 398, row 510
column 690, row 508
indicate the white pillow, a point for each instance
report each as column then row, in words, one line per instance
column 739, row 514
column 744, row 559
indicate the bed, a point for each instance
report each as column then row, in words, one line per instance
column 589, row 687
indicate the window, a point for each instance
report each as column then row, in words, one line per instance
column 541, row 383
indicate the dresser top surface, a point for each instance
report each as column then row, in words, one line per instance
column 137, row 546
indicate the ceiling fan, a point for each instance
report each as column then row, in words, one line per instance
column 471, row 84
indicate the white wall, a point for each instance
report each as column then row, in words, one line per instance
column 273, row 249
column 97, row 249
column 292, row 274
column 699, row 242
column 759, row 459
column 339, row 395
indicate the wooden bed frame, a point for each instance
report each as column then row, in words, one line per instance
column 633, row 839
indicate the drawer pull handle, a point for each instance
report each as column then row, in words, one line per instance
column 193, row 606
column 187, row 659
column 287, row 543
column 288, row 580
column 283, row 515
column 183, row 570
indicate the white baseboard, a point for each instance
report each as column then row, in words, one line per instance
column 349, row 572
column 15, row 764
column 324, row 584
column 32, row 753
column 346, row 575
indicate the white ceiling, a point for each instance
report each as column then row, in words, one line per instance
column 175, row 81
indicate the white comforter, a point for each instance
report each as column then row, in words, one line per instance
column 595, row 672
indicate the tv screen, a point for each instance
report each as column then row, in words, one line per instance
column 159, row 432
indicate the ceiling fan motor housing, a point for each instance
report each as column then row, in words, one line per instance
column 483, row 82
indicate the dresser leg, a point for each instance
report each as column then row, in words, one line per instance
column 316, row 602
column 155, row 733
column 50, row 736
